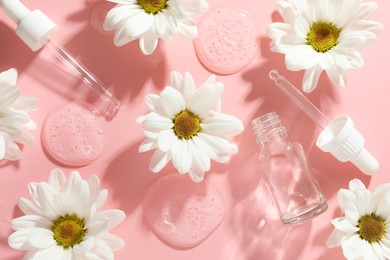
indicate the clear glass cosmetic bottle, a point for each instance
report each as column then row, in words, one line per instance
column 286, row 172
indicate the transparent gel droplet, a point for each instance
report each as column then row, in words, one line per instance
column 73, row 135
column 183, row 213
column 227, row 40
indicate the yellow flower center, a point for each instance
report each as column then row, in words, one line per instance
column 152, row 6
column 323, row 36
column 68, row 230
column 371, row 228
column 186, row 124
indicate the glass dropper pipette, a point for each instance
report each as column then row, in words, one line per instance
column 339, row 137
column 300, row 100
column 36, row 30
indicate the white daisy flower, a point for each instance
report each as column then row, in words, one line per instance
column 64, row 220
column 149, row 20
column 322, row 35
column 14, row 116
column 364, row 231
column 185, row 125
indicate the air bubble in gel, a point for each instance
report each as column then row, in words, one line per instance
column 227, row 40
column 73, row 135
column 183, row 213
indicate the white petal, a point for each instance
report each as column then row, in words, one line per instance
column 181, row 158
column 347, row 10
column 81, row 250
column 326, row 60
column 31, row 238
column 205, row 98
column 336, row 238
column 157, row 122
column 121, row 37
column 148, row 43
column 379, row 193
column 159, row 160
column 42, row 239
column 28, row 207
column 188, row 29
column 139, row 23
column 166, row 139
column 221, row 124
column 100, row 199
column 9, row 127
column 363, row 26
column 172, row 101
column 67, row 255
column 113, row 241
column 344, row 225
column 9, row 77
column 301, row 27
column 204, row 147
column 160, row 24
column 344, row 197
column 116, row 15
column 73, row 178
column 29, row 221
column 102, row 250
column 383, row 208
column 301, row 57
column 337, row 76
column 147, row 145
column 200, row 163
column 352, row 247
column 175, row 80
column 114, row 217
column 276, row 31
column 364, row 202
column 25, row 103
column 94, row 185
column 53, row 252
column 366, row 10
column 196, row 174
column 356, row 185
column 98, row 227
column 352, row 212
column 368, row 252
column 220, row 145
column 45, row 196
column 57, row 179
column 187, row 86
column 310, row 79
column 153, row 103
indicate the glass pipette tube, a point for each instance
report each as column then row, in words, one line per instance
column 107, row 105
column 299, row 99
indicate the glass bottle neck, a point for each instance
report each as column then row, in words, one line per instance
column 269, row 130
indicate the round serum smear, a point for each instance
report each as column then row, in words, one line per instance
column 73, row 135
column 227, row 40
column 183, row 213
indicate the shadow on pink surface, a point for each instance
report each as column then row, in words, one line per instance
column 129, row 174
column 13, row 52
column 128, row 68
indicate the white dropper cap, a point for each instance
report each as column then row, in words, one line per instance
column 344, row 142
column 34, row 28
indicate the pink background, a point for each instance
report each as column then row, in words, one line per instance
column 251, row 229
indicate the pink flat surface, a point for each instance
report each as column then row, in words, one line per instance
column 251, row 229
